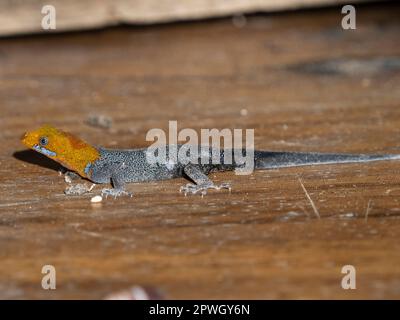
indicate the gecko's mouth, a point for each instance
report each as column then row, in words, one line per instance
column 43, row 150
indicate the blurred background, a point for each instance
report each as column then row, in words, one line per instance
column 18, row 17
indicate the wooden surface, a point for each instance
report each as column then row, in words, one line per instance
column 306, row 84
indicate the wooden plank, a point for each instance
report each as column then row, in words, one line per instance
column 306, row 85
column 18, row 17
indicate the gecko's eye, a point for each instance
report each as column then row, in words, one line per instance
column 43, row 141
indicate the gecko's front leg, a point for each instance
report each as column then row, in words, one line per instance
column 201, row 182
column 116, row 173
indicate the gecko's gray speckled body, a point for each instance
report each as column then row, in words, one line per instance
column 124, row 166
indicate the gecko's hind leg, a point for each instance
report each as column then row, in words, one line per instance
column 201, row 182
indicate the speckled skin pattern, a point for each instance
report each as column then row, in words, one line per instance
column 121, row 166
column 132, row 166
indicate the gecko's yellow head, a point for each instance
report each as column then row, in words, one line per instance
column 72, row 152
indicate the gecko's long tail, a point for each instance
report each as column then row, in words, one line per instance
column 270, row 159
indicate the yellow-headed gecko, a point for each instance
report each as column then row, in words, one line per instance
column 118, row 167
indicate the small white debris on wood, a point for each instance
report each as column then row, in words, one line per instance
column 290, row 215
column 368, row 209
column 244, row 112
column 347, row 215
column 316, row 212
column 99, row 121
column 96, row 199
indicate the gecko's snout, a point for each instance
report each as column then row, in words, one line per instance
column 26, row 139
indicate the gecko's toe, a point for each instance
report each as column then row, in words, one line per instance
column 225, row 185
column 188, row 188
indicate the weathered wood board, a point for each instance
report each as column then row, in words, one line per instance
column 306, row 85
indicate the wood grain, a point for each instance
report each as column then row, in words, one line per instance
column 306, row 84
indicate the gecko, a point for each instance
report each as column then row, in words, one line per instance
column 120, row 166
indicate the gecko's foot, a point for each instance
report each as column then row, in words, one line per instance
column 202, row 188
column 70, row 176
column 78, row 189
column 115, row 193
